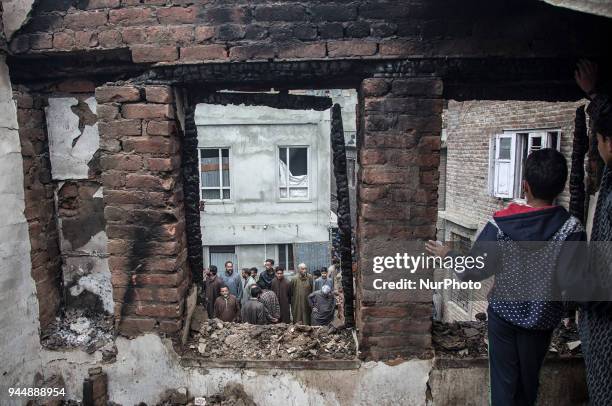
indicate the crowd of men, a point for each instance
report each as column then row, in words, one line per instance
column 269, row 297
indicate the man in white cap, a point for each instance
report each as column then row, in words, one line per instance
column 323, row 304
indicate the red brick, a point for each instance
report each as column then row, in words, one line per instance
column 161, row 128
column 301, row 50
column 147, row 111
column 85, row 39
column 351, row 48
column 172, row 279
column 41, row 41
column 375, row 87
column 175, row 35
column 107, row 94
column 159, row 94
column 252, row 52
column 110, row 39
column 148, row 182
column 176, row 15
column 119, row 247
column 63, row 41
column 162, row 164
column 76, row 86
column 107, row 112
column 170, row 326
column 151, row 145
column 120, row 128
column 146, row 54
column 131, row 16
column 399, row 48
column 134, row 35
column 204, row 33
column 121, row 162
column 85, row 19
column 158, row 310
column 155, row 294
column 132, row 326
column 203, row 53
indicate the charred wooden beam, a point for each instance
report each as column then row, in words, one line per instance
column 344, row 213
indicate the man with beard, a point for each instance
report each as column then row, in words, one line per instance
column 282, row 289
column 213, row 290
column 323, row 305
column 247, row 282
column 301, row 287
column 267, row 276
column 232, row 280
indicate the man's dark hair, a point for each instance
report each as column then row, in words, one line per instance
column 254, row 269
column 246, row 270
column 213, row 269
column 261, row 284
column 228, row 262
column 270, row 261
column 603, row 124
column 317, row 273
column 255, row 291
column 546, row 173
column 279, row 268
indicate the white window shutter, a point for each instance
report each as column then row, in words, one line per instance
column 505, row 163
column 491, row 168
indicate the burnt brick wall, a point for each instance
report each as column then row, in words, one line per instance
column 187, row 31
column 39, row 204
column 143, row 197
column 399, row 138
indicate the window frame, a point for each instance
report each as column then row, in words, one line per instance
column 308, row 198
column 220, row 188
column 289, row 259
column 521, row 147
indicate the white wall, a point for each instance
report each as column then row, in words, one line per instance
column 255, row 215
column 19, row 341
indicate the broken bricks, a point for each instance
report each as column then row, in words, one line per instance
column 220, row 340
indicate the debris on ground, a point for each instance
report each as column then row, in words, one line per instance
column 469, row 339
column 241, row 341
column 78, row 329
column 460, row 338
column 233, row 395
column 565, row 341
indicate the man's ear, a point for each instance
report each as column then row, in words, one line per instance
column 526, row 188
column 608, row 143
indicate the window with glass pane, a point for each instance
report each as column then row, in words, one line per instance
column 285, row 256
column 215, row 174
column 293, row 172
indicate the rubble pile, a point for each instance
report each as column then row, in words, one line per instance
column 469, row 339
column 77, row 329
column 460, row 338
column 240, row 341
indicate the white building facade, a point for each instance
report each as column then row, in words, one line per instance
column 265, row 184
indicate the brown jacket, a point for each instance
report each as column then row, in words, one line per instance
column 227, row 309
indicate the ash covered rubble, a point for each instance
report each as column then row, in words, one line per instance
column 468, row 339
column 78, row 328
column 240, row 341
